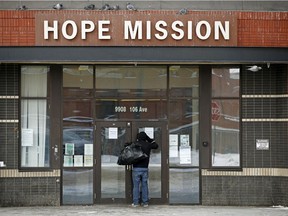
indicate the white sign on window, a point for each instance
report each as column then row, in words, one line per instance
column 173, row 145
column 69, row 148
column 88, row 149
column 88, row 160
column 78, row 160
column 185, row 155
column 113, row 133
column 149, row 131
column 27, row 137
column 184, row 140
column 68, row 160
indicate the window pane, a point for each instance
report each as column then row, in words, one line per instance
column 77, row 80
column 112, row 175
column 184, row 81
column 34, row 81
column 78, row 186
column 184, row 186
column 225, row 134
column 131, row 82
column 35, row 133
column 77, row 110
column 184, row 133
column 77, row 133
column 131, row 109
column 225, row 82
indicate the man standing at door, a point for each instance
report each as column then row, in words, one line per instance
column 140, row 170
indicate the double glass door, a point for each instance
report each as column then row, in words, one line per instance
column 113, row 183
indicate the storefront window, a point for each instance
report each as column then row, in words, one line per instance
column 184, row 185
column 225, row 117
column 131, row 92
column 35, row 146
column 131, row 81
column 184, row 134
column 77, row 81
column 78, row 135
column 78, row 186
column 184, row 81
column 131, row 109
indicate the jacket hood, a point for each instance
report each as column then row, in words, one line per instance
column 141, row 136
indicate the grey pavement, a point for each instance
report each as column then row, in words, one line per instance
column 153, row 210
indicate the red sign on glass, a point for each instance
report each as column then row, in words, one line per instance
column 215, row 111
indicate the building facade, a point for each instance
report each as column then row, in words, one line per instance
column 209, row 85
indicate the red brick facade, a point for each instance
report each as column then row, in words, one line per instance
column 255, row 29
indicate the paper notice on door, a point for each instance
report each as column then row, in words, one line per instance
column 185, row 155
column 113, row 133
column 173, row 145
column 149, row 131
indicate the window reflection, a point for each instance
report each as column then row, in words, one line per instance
column 77, row 80
column 184, row 121
column 131, row 82
column 225, row 117
column 184, row 81
column 184, row 186
column 112, row 175
column 77, row 133
column 131, row 109
column 78, row 186
column 183, row 134
column 225, row 82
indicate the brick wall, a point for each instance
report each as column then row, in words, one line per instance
column 36, row 191
column 255, row 29
column 244, row 190
column 262, row 29
column 17, row 28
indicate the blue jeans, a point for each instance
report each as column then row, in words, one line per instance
column 140, row 175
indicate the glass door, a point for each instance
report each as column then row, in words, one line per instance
column 158, row 165
column 112, row 181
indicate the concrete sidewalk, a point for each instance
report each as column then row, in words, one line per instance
column 158, row 210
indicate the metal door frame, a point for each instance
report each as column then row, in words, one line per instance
column 133, row 125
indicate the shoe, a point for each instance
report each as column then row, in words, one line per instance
column 145, row 205
column 134, row 205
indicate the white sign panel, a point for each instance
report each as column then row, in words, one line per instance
column 78, row 160
column 27, row 137
column 88, row 149
column 184, row 139
column 173, row 145
column 149, row 131
column 185, row 155
column 262, row 144
column 113, row 133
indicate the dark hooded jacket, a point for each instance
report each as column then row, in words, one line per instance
column 146, row 144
